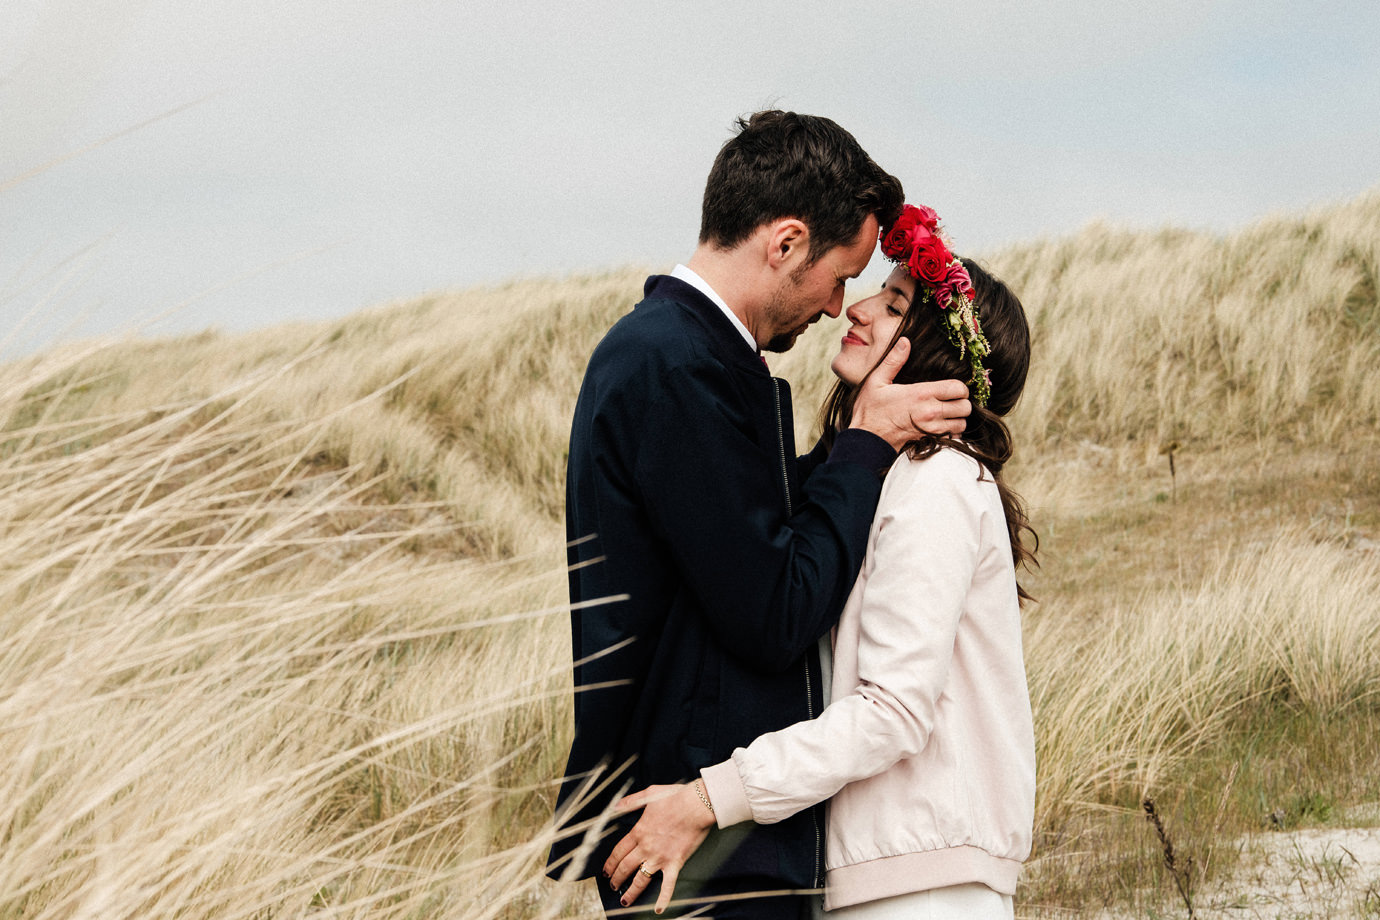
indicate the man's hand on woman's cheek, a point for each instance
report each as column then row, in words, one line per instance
column 899, row 413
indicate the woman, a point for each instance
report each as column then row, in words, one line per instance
column 927, row 751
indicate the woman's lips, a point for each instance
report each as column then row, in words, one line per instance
column 851, row 339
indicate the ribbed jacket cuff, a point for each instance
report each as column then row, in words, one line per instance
column 854, row 445
column 724, row 787
column 889, row 876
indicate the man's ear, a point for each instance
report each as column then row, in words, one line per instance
column 788, row 243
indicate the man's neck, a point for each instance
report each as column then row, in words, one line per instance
column 733, row 277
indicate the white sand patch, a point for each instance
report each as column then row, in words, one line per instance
column 1320, row 872
column 1313, row 874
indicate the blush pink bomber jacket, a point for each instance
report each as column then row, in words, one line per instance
column 927, row 750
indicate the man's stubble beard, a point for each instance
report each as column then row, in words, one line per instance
column 783, row 342
column 782, row 305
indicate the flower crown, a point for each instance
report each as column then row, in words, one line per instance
column 916, row 242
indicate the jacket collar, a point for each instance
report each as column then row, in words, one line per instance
column 727, row 341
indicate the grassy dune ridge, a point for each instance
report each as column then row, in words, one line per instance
column 283, row 631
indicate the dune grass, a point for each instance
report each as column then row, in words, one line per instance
column 282, row 623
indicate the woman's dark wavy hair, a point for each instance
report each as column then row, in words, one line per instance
column 933, row 357
column 784, row 164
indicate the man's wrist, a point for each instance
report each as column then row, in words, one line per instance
column 863, row 447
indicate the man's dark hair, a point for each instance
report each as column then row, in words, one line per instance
column 782, row 164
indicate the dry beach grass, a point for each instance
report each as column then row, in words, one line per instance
column 282, row 624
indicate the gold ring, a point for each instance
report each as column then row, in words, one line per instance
column 643, row 870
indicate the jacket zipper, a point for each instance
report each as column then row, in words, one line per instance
column 781, row 444
column 809, row 701
column 814, row 809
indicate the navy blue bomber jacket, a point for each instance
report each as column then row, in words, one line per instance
column 683, row 492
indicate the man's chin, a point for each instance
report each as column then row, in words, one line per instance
column 783, row 341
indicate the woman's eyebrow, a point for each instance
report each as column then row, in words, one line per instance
column 896, row 290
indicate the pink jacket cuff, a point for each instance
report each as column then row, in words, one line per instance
column 724, row 787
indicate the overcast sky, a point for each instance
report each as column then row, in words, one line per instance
column 314, row 158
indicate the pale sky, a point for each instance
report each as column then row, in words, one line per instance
column 323, row 157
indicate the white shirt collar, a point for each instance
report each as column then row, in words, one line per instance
column 699, row 284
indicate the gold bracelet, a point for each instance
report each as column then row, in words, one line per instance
column 699, row 791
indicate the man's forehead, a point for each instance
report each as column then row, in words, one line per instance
column 861, row 258
column 867, row 242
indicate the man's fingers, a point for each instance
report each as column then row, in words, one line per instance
column 935, row 423
column 956, row 408
column 952, row 426
column 945, row 391
column 891, row 365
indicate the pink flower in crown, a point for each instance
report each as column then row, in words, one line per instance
column 956, row 281
column 957, row 278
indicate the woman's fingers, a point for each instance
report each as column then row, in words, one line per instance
column 642, row 877
column 630, row 840
column 669, row 876
column 673, row 824
column 613, row 865
column 640, row 880
column 627, row 867
column 635, row 800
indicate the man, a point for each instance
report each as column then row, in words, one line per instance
column 684, row 499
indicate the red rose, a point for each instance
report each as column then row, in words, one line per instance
column 910, row 216
column 926, row 216
column 930, row 259
column 897, row 242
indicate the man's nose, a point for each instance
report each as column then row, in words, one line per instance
column 835, row 305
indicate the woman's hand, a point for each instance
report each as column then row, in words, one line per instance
column 674, row 822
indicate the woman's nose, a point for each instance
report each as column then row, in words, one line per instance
column 857, row 313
